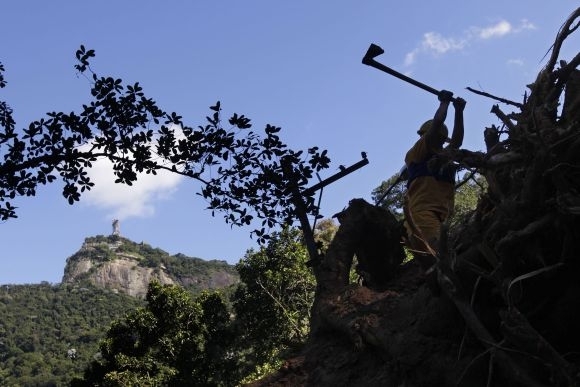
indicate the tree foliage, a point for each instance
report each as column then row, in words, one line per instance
column 324, row 232
column 467, row 195
column 49, row 333
column 242, row 173
column 174, row 340
column 273, row 303
column 390, row 194
column 177, row 339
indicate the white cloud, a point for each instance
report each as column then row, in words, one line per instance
column 123, row 201
column 436, row 44
column 410, row 57
column 497, row 30
column 525, row 25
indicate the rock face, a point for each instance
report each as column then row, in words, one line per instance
column 123, row 274
column 121, row 265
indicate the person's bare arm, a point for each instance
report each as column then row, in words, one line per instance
column 458, row 129
column 433, row 135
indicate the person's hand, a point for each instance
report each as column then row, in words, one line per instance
column 459, row 103
column 445, row 96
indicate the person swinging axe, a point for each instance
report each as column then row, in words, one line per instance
column 431, row 188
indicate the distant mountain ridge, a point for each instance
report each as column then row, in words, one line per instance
column 119, row 264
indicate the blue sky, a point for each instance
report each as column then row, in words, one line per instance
column 294, row 64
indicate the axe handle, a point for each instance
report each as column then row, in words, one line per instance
column 388, row 70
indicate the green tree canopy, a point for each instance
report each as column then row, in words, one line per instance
column 273, row 303
column 390, row 194
column 179, row 340
column 174, row 340
column 324, row 232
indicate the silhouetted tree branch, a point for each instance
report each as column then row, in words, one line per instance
column 239, row 169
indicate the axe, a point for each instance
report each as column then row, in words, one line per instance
column 369, row 60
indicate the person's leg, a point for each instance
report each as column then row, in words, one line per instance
column 423, row 233
column 429, row 227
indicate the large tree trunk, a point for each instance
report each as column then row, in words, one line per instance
column 374, row 235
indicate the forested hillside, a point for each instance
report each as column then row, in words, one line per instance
column 49, row 332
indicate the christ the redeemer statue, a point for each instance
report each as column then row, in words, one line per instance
column 116, row 227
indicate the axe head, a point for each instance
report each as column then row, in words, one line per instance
column 372, row 53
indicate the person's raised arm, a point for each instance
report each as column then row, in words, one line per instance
column 433, row 137
column 458, row 129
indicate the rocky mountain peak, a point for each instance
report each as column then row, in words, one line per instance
column 119, row 264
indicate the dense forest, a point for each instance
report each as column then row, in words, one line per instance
column 50, row 332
